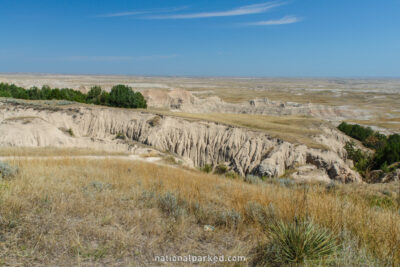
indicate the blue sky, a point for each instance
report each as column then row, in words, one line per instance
column 357, row 38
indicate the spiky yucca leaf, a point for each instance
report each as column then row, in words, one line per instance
column 299, row 242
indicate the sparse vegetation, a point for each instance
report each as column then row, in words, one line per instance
column 70, row 132
column 221, row 169
column 53, row 207
column 170, row 159
column 120, row 135
column 155, row 121
column 232, row 174
column 207, row 168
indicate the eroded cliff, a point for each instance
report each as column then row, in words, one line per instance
column 245, row 151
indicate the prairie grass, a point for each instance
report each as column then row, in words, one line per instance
column 54, row 151
column 116, row 212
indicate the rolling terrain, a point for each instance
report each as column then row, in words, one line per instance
column 213, row 166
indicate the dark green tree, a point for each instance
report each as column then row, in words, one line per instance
column 124, row 96
column 45, row 92
column 105, row 98
column 120, row 96
column 34, row 93
column 390, row 153
column 94, row 94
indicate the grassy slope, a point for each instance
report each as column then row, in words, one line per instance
column 51, row 213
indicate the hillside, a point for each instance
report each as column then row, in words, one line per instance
column 118, row 212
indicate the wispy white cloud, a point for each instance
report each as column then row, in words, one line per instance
column 243, row 10
column 123, row 14
column 284, row 20
column 142, row 12
column 116, row 58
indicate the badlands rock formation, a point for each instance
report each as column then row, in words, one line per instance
column 245, row 151
column 181, row 100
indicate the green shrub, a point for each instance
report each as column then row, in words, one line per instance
column 221, row 169
column 381, row 201
column 299, row 243
column 169, row 204
column 363, row 161
column 70, row 132
column 377, row 141
column 390, row 153
column 120, row 135
column 94, row 94
column 155, row 121
column 5, row 94
column 207, row 168
column 356, row 131
column 231, row 174
column 387, row 148
column 7, row 171
column 104, row 98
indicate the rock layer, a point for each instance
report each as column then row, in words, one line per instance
column 246, row 151
column 182, row 100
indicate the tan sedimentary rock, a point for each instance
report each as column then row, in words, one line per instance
column 246, row 151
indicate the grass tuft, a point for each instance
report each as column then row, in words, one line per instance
column 257, row 213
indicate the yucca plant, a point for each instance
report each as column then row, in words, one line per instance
column 300, row 242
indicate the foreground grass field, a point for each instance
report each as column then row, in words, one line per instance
column 114, row 212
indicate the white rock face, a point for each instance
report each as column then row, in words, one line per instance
column 310, row 173
column 246, row 151
column 182, row 100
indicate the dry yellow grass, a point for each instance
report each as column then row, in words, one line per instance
column 52, row 151
column 71, row 212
